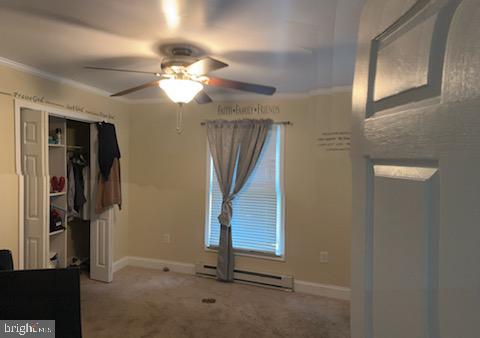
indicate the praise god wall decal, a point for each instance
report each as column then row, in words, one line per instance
column 43, row 100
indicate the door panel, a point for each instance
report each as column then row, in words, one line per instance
column 406, row 59
column 34, row 145
column 402, row 57
column 459, row 271
column 101, row 225
column 404, row 237
column 102, row 229
column 416, row 164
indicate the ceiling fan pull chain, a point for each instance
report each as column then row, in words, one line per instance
column 179, row 128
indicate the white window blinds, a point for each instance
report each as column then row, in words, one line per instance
column 257, row 223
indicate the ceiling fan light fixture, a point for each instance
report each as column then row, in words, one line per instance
column 181, row 90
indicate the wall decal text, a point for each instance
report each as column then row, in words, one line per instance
column 334, row 141
column 251, row 109
column 43, row 100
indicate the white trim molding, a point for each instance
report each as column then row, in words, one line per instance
column 237, row 97
column 324, row 290
column 317, row 289
column 120, row 264
column 49, row 76
column 155, row 264
column 18, row 106
column 219, row 98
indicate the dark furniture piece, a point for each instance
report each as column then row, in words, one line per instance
column 6, row 261
column 50, row 294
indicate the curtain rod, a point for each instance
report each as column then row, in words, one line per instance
column 275, row 122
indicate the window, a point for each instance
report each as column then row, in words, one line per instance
column 257, row 224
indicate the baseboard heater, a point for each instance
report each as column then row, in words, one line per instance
column 257, row 278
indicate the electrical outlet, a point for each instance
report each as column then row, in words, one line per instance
column 323, row 257
column 166, row 238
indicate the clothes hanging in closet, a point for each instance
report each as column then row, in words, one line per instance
column 109, row 190
column 79, row 199
column 107, row 148
column 85, row 214
column 77, row 166
column 70, row 190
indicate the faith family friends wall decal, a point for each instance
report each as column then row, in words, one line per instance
column 247, row 110
column 334, row 141
column 43, row 100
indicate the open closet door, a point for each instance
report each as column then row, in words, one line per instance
column 34, row 148
column 101, row 241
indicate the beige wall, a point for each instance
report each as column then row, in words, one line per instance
column 167, row 193
column 164, row 179
column 16, row 81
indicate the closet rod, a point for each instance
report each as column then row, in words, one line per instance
column 276, row 122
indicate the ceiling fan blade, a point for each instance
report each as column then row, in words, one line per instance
column 205, row 65
column 203, row 97
column 134, row 89
column 247, row 87
column 122, row 70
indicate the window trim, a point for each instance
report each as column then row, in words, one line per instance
column 280, row 186
column 247, row 253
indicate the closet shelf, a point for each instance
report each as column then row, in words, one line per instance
column 56, row 145
column 61, row 193
column 75, row 147
column 56, row 232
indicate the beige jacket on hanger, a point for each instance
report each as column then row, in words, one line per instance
column 109, row 192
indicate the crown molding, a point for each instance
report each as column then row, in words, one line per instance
column 229, row 97
column 331, row 90
column 220, row 98
column 49, row 76
column 257, row 97
column 149, row 101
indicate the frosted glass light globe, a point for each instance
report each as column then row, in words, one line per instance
column 179, row 90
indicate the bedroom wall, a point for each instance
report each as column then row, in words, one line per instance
column 164, row 174
column 35, row 88
column 168, row 175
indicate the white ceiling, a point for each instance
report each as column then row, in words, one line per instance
column 295, row 45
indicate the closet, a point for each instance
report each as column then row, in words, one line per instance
column 69, row 197
column 57, row 163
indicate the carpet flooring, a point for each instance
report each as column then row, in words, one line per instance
column 151, row 303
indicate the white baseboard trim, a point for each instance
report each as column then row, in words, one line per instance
column 317, row 289
column 120, row 264
column 156, row 264
column 324, row 290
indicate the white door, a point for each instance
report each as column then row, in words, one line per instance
column 101, row 225
column 34, row 164
column 416, row 178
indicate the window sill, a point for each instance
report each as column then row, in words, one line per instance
column 251, row 254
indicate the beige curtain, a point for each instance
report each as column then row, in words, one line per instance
column 235, row 147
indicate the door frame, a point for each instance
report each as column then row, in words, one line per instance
column 68, row 114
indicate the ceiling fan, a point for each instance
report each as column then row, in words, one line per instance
column 183, row 78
